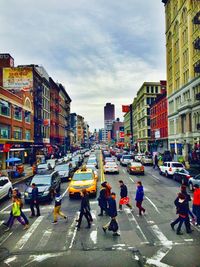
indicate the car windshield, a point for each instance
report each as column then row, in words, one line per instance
column 62, row 168
column 111, row 164
column 91, row 167
column 177, row 165
column 82, row 176
column 127, row 157
column 92, row 161
column 42, row 166
column 41, row 180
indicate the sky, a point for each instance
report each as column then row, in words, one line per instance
column 100, row 50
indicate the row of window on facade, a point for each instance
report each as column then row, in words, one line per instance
column 159, row 120
column 17, row 133
column 186, row 96
column 144, row 133
column 161, row 107
column 18, row 113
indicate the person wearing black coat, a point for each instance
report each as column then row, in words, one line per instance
column 182, row 210
column 34, row 201
column 112, row 212
column 102, row 199
column 84, row 210
column 123, row 194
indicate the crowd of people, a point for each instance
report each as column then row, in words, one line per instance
column 108, row 206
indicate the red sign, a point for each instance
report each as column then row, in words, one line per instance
column 6, row 147
column 125, row 108
column 121, row 135
column 46, row 122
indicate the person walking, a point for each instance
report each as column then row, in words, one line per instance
column 188, row 199
column 155, row 162
column 112, row 212
column 34, row 201
column 16, row 213
column 124, row 200
column 102, row 200
column 182, row 210
column 57, row 208
column 196, row 204
column 139, row 197
column 16, row 192
column 84, row 210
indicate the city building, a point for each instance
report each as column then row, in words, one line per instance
column 16, row 112
column 127, row 129
column 183, row 75
column 116, row 130
column 134, row 124
column 109, row 117
column 159, row 121
column 146, row 95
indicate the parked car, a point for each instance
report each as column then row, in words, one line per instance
column 41, row 167
column 194, row 180
column 135, row 168
column 169, row 168
column 111, row 167
column 5, row 187
column 138, row 157
column 46, row 183
column 84, row 178
column 65, row 171
column 146, row 160
column 183, row 175
column 125, row 159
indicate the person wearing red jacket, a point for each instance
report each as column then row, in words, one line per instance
column 196, row 203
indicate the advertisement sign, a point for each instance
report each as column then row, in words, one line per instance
column 18, row 78
column 125, row 108
column 121, row 135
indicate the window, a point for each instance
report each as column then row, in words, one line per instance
column 4, row 131
column 5, row 108
column 148, row 100
column 147, row 89
column 27, row 116
column 149, row 133
column 156, row 89
column 152, row 91
column 17, row 133
column 18, row 113
column 28, row 135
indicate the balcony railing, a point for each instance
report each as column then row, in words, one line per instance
column 185, row 104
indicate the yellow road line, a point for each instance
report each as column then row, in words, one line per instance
column 102, row 172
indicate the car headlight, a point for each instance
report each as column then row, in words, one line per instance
column 26, row 194
column 45, row 193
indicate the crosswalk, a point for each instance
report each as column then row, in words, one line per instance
column 43, row 236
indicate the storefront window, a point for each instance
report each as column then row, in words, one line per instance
column 17, row 133
column 4, row 108
column 18, row 113
column 28, row 135
column 4, row 131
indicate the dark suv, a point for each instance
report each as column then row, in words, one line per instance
column 46, row 183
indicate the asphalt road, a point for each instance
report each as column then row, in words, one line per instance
column 144, row 241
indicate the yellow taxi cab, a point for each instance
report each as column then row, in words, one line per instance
column 83, row 179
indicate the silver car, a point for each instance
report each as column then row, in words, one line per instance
column 5, row 187
column 194, row 180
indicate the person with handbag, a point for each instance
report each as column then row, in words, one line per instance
column 124, row 200
column 112, row 212
column 84, row 210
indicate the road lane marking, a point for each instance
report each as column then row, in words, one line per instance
column 131, row 179
column 65, row 192
column 123, row 171
column 153, row 204
column 20, row 244
column 6, row 207
column 155, row 177
column 1, row 222
column 132, row 218
column 161, row 253
column 6, row 238
column 93, row 236
column 45, row 238
column 74, row 234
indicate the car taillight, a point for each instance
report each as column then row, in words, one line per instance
column 142, row 167
column 188, row 176
column 170, row 169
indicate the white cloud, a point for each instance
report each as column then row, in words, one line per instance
column 102, row 51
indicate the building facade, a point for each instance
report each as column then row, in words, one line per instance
column 159, row 123
column 116, row 129
column 127, row 129
column 109, row 117
column 183, row 75
column 146, row 95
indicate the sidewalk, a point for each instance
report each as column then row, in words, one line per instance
column 27, row 174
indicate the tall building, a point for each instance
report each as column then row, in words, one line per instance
column 109, row 117
column 183, row 75
column 146, row 95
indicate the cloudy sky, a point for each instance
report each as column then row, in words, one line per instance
column 101, row 50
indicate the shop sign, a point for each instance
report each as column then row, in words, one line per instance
column 6, row 147
column 46, row 122
column 157, row 134
column 19, row 78
column 46, row 140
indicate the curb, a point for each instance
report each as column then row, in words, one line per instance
column 21, row 180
